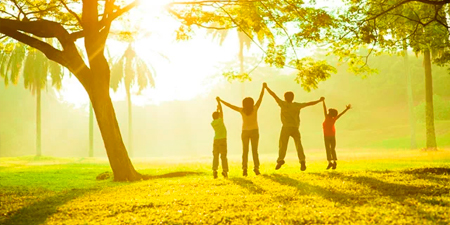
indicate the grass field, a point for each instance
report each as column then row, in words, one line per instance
column 369, row 187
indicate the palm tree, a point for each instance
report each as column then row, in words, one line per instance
column 131, row 70
column 35, row 68
column 244, row 41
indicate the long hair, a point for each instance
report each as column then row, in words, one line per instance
column 247, row 104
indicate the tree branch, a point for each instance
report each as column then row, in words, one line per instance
column 40, row 28
column 49, row 51
column 212, row 2
column 71, row 11
column 68, row 57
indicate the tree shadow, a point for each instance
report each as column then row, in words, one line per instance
column 171, row 175
column 429, row 170
column 400, row 192
column 307, row 189
column 109, row 175
column 397, row 192
column 38, row 212
column 249, row 185
column 438, row 175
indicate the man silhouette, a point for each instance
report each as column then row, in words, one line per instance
column 290, row 118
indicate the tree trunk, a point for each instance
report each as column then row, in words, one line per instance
column 429, row 112
column 91, row 130
column 130, row 122
column 241, row 64
column 106, row 118
column 409, row 92
column 38, row 122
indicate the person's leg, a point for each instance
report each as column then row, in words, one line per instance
column 328, row 147
column 295, row 133
column 298, row 144
column 328, row 151
column 255, row 140
column 245, row 141
column 215, row 158
column 333, row 150
column 223, row 157
column 283, row 143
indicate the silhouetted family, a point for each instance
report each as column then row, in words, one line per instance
column 290, row 119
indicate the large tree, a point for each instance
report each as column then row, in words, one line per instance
column 392, row 26
column 67, row 21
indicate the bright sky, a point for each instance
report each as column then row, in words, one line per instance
column 191, row 71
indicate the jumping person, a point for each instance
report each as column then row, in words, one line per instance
column 220, row 142
column 290, row 118
column 250, row 130
column 329, row 133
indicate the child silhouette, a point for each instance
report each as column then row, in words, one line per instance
column 220, row 142
column 329, row 132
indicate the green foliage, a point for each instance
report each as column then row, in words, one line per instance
column 281, row 28
column 441, row 109
column 392, row 26
column 311, row 72
column 131, row 69
column 14, row 63
column 233, row 75
column 35, row 73
column 16, row 58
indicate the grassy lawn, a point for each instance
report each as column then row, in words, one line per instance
column 369, row 187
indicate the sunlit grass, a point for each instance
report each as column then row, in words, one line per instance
column 369, row 186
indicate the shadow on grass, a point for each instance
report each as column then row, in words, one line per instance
column 308, row 189
column 437, row 175
column 109, row 175
column 400, row 192
column 171, row 175
column 395, row 191
column 428, row 171
column 38, row 212
column 249, row 185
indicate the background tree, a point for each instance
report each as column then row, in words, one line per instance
column 35, row 68
column 391, row 27
column 244, row 41
column 131, row 70
column 67, row 21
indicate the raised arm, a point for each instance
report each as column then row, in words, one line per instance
column 347, row 107
column 233, row 107
column 278, row 100
column 314, row 102
column 258, row 103
column 324, row 108
column 219, row 107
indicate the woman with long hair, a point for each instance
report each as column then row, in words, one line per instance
column 250, row 130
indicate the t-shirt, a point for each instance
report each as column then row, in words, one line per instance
column 328, row 126
column 219, row 129
column 290, row 113
column 250, row 122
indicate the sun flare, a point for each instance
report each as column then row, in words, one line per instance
column 182, row 70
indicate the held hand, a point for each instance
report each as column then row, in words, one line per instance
column 218, row 99
column 348, row 106
column 322, row 99
column 264, row 85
